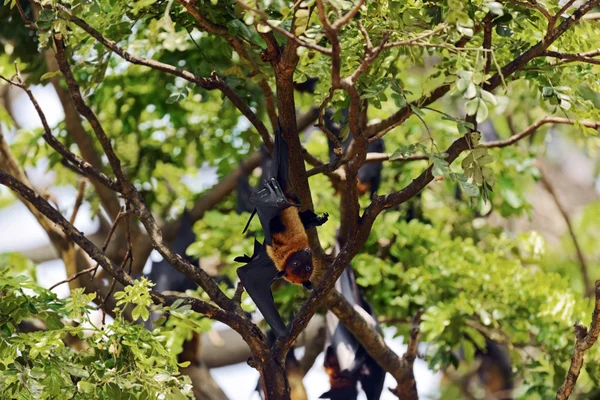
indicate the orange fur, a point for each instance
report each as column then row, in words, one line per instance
column 363, row 187
column 291, row 240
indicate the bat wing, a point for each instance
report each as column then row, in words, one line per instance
column 371, row 173
column 280, row 170
column 164, row 276
column 269, row 202
column 351, row 356
column 257, row 276
column 344, row 344
column 243, row 192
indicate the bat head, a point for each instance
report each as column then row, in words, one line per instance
column 298, row 267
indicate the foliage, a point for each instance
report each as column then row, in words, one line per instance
column 470, row 288
column 72, row 357
column 436, row 251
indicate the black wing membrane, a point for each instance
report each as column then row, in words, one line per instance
column 257, row 276
column 352, row 359
column 243, row 192
column 271, row 200
column 164, row 275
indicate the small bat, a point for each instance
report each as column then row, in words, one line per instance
column 243, row 192
column 369, row 175
column 346, row 361
column 285, row 252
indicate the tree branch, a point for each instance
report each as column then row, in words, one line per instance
column 131, row 193
column 251, row 334
column 581, row 57
column 535, row 51
column 563, row 212
column 214, row 82
column 584, row 340
column 86, row 168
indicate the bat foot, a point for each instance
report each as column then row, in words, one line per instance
column 312, row 220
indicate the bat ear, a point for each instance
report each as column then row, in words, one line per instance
column 307, row 285
column 280, row 274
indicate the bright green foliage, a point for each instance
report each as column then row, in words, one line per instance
column 436, row 251
column 73, row 358
column 470, row 288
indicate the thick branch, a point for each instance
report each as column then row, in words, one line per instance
column 130, row 192
column 249, row 332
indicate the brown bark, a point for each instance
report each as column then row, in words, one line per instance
column 585, row 339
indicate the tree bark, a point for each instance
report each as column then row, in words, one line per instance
column 274, row 380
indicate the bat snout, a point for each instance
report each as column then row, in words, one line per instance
column 299, row 266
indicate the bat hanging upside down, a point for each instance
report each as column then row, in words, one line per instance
column 285, row 252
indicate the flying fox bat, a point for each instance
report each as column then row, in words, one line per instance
column 369, row 174
column 285, row 252
column 346, row 361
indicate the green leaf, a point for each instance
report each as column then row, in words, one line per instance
column 471, row 91
column 470, row 189
column 417, row 111
column 176, row 97
column 504, row 30
column 49, row 75
column 489, row 97
column 547, row 91
column 471, row 106
column 482, row 112
column 495, row 8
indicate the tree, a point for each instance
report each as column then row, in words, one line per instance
column 153, row 89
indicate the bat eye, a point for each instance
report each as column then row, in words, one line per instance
column 307, row 269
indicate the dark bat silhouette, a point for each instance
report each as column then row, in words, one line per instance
column 369, row 174
column 163, row 274
column 285, row 252
column 346, row 361
column 244, row 189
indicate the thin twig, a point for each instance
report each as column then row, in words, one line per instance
column 563, row 212
column 346, row 18
column 585, row 339
column 86, row 168
column 78, row 200
column 573, row 57
column 239, row 290
column 265, row 21
column 74, row 276
column 416, row 39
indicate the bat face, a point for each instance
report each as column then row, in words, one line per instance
column 298, row 267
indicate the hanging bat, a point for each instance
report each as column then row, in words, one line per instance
column 346, row 361
column 285, row 252
column 369, row 174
